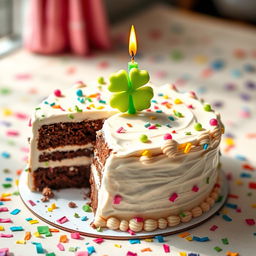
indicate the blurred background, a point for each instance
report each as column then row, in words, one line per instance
column 55, row 26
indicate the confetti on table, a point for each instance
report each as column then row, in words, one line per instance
column 39, row 247
column 62, row 220
column 166, row 248
column 134, row 241
column 15, row 211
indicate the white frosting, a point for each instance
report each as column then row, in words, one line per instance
column 145, row 189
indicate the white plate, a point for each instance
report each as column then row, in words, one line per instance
column 64, row 196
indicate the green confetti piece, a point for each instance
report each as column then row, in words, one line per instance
column 178, row 114
column 207, row 180
column 70, row 116
column 144, row 138
column 176, row 55
column 50, row 254
column 224, row 241
column 78, row 109
column 7, row 185
column 16, row 193
column 219, row 199
column 44, row 230
column 72, row 249
column 5, row 91
column 99, row 229
column 76, row 215
column 182, row 214
column 217, row 249
column 207, row 107
column 87, row 208
column 188, row 133
column 198, row 127
column 38, row 108
column 101, row 80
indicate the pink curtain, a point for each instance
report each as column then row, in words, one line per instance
column 55, row 26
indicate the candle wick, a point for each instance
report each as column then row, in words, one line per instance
column 132, row 58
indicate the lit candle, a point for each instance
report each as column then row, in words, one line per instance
column 132, row 49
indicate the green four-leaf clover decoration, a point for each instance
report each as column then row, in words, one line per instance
column 129, row 94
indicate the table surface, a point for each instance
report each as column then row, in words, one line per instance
column 213, row 58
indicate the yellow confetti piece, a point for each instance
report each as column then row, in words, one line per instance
column 253, row 205
column 91, row 106
column 187, row 148
column 27, row 236
column 69, row 109
column 7, row 112
column 178, row 101
column 146, row 153
column 33, row 221
column 1, row 228
column 153, row 117
column 118, row 245
column 166, row 97
column 20, row 242
column 183, row 254
column 201, row 59
column 17, row 182
column 189, row 238
column 183, row 235
column 49, row 209
column 239, row 182
column 6, row 194
column 229, row 141
column 36, row 234
column 100, row 107
column 150, row 240
column 53, row 206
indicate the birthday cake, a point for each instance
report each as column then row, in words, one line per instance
column 151, row 169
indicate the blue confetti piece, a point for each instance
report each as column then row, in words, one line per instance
column 46, row 102
column 160, row 239
column 226, row 218
column 79, row 93
column 236, row 73
column 232, row 206
column 6, row 155
column 8, row 179
column 28, row 219
column 90, row 249
column 153, row 101
column 193, row 254
column 16, row 228
column 241, row 157
column 134, row 241
column 168, row 125
column 201, row 239
column 217, row 65
column 205, row 146
column 39, row 247
column 147, row 124
column 159, row 111
column 81, row 100
column 171, row 118
column 84, row 218
column 15, row 211
column 245, row 175
column 52, row 104
column 1, row 203
column 196, row 238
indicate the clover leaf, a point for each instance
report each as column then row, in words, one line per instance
column 129, row 93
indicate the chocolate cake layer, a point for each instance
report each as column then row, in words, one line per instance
column 60, row 155
column 62, row 177
column 94, row 194
column 102, row 152
column 70, row 133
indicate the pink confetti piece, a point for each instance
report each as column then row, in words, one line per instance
column 238, row 210
column 3, row 209
column 131, row 232
column 250, row 222
column 195, row 188
column 4, row 251
column 23, row 76
column 117, row 199
column 139, row 219
column 213, row 227
column 75, row 235
column 190, row 106
column 12, row 133
column 167, row 136
column 98, row 240
column 166, row 248
column 173, row 197
column 152, row 127
column 61, row 247
column 121, row 130
column 6, row 235
column 62, row 220
column 21, row 116
column 29, row 122
column 5, row 220
column 129, row 253
column 31, row 203
column 82, row 253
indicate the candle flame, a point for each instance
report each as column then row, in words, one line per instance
column 132, row 42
